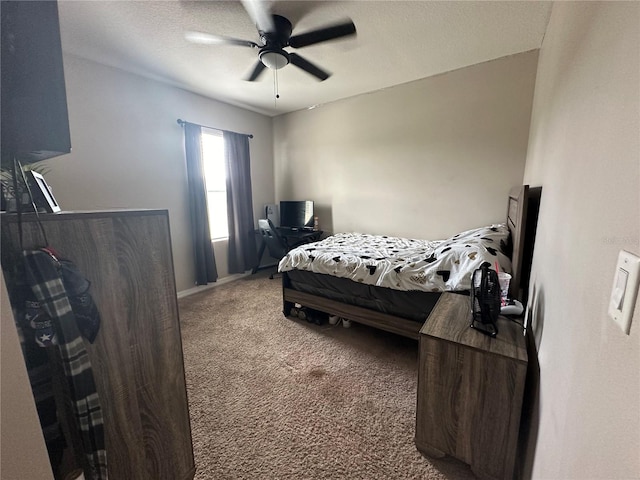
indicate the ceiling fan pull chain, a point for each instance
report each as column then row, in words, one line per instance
column 275, row 87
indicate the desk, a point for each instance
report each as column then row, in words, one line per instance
column 299, row 237
column 293, row 238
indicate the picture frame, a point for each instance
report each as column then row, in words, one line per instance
column 41, row 192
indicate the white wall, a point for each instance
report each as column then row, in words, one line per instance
column 22, row 447
column 585, row 151
column 128, row 150
column 425, row 159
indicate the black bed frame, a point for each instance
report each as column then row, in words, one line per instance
column 522, row 215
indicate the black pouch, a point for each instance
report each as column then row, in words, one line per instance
column 77, row 287
column 82, row 304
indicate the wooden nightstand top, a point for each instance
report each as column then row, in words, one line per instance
column 450, row 321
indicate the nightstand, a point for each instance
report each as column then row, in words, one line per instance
column 470, row 389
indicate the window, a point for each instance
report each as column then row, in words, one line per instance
column 216, row 182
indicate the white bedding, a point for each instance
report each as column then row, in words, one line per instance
column 402, row 263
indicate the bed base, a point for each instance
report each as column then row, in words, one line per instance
column 373, row 318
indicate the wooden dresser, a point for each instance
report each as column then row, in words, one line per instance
column 470, row 389
column 137, row 356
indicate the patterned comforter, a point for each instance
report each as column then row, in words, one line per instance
column 403, row 263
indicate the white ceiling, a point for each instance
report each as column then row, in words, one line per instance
column 396, row 42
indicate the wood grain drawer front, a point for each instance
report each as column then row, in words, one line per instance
column 469, row 398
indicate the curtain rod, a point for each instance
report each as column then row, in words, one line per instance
column 182, row 122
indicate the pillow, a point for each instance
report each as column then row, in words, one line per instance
column 496, row 236
column 460, row 255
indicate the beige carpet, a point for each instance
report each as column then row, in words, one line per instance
column 272, row 398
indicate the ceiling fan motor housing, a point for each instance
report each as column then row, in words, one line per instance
column 273, row 55
column 280, row 37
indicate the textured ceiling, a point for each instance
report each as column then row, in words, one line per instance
column 396, row 42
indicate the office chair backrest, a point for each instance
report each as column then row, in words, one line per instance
column 275, row 244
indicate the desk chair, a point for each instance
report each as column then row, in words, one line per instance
column 276, row 244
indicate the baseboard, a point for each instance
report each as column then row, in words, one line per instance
column 209, row 286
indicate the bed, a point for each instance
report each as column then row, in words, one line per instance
column 393, row 283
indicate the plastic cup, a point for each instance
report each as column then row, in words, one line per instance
column 504, row 279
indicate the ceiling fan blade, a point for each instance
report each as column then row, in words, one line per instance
column 308, row 67
column 257, row 70
column 323, row 34
column 260, row 13
column 210, row 39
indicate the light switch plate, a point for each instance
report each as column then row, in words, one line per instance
column 625, row 290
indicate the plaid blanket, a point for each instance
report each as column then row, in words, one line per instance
column 43, row 273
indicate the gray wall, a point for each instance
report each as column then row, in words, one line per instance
column 128, row 150
column 425, row 159
column 584, row 150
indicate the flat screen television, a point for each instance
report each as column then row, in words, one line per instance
column 35, row 121
column 296, row 214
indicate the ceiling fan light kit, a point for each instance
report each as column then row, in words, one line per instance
column 274, row 60
column 275, row 36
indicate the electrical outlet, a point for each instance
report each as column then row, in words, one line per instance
column 625, row 290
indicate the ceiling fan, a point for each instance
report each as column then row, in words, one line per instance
column 275, row 34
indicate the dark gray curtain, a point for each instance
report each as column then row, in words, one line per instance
column 205, row 263
column 242, row 240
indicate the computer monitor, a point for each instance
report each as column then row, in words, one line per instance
column 296, row 214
